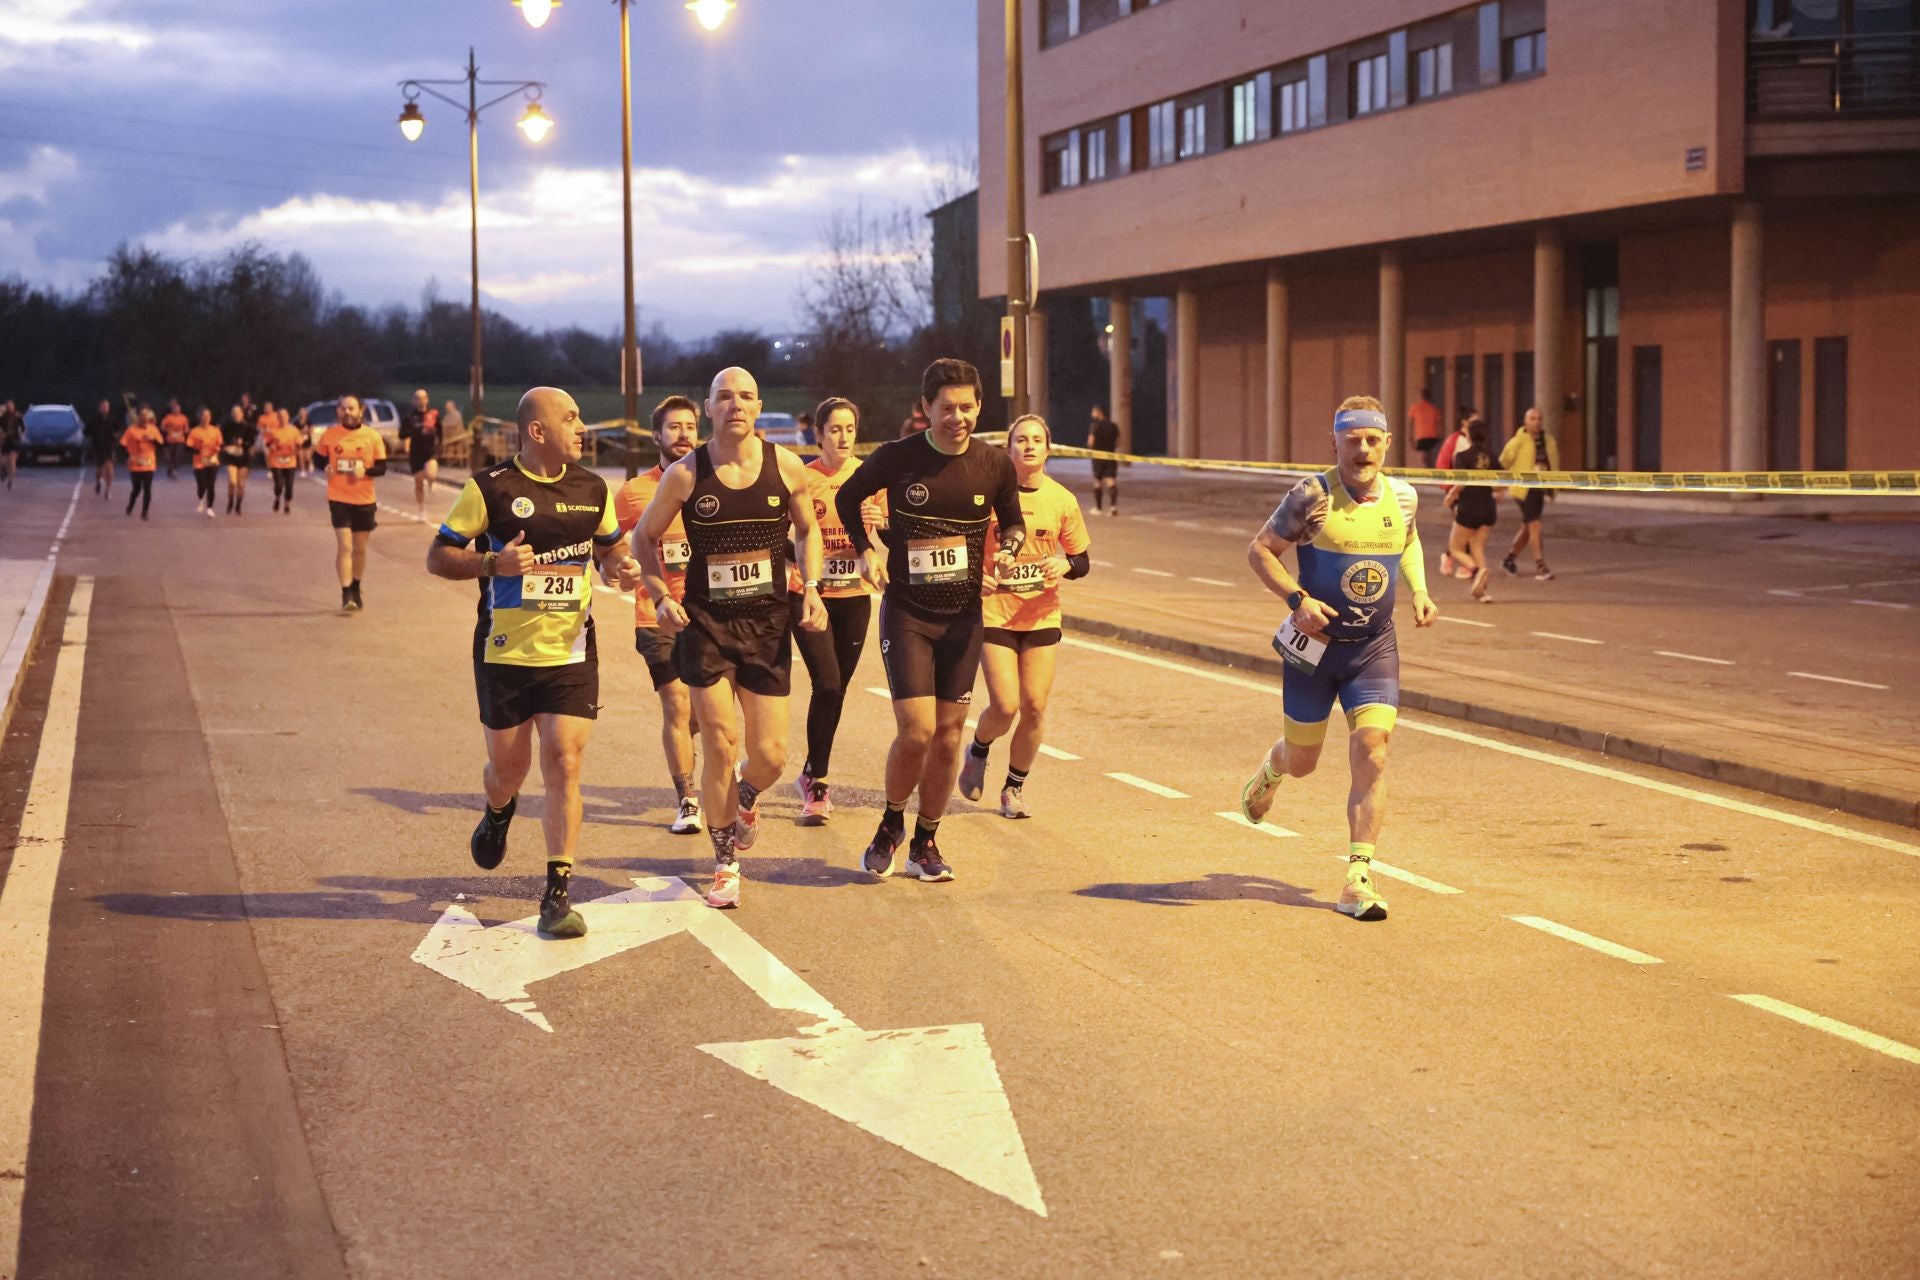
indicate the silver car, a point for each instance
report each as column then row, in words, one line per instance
column 381, row 415
column 53, row 431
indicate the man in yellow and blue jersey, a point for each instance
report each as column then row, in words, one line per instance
column 1352, row 531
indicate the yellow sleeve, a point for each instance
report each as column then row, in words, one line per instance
column 468, row 519
column 1073, row 525
column 1413, row 565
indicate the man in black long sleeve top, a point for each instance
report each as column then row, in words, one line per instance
column 941, row 491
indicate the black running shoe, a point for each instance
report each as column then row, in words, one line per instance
column 925, row 863
column 1510, row 566
column 358, row 603
column 558, row 919
column 878, row 859
column 489, row 841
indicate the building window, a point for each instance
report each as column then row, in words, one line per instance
column 1193, row 130
column 1368, row 85
column 1293, row 106
column 1063, row 161
column 1525, row 56
column 1160, row 134
column 1433, row 71
column 1096, row 167
column 1253, row 109
column 1125, row 125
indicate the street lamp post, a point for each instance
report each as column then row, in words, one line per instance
column 711, row 13
column 535, row 123
column 1019, row 282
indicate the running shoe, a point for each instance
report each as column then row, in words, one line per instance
column 1510, row 566
column 1446, row 563
column 558, row 919
column 816, row 802
column 1480, row 583
column 688, row 823
column 725, row 892
column 358, row 603
column 1358, row 899
column 488, row 844
column 1013, row 803
column 1541, row 573
column 878, row 859
column 925, row 863
column 1257, row 796
column 973, row 775
column 746, row 829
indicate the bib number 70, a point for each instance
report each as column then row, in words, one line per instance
column 1297, row 647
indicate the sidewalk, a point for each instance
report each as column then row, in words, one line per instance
column 23, row 601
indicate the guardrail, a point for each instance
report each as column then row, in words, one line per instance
column 1813, row 79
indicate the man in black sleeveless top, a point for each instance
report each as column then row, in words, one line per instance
column 740, row 500
column 941, row 491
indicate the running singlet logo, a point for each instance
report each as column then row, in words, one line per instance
column 917, row 494
column 1364, row 581
column 708, row 506
column 523, row 507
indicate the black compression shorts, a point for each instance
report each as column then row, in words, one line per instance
column 1532, row 505
column 357, row 516
column 656, row 650
column 1105, row 469
column 510, row 695
column 755, row 649
column 930, row 657
column 1021, row 641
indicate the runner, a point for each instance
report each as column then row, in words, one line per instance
column 1103, row 436
column 12, row 428
column 676, row 431
column 541, row 517
column 1354, row 533
column 832, row 655
column 103, row 433
column 205, row 441
column 1474, row 510
column 352, row 454
column 174, row 428
column 1531, row 449
column 142, row 441
column 741, row 499
column 283, row 444
column 238, row 439
column 420, row 432
column 1022, row 617
column 940, row 495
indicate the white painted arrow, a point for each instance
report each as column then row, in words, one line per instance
column 933, row 1091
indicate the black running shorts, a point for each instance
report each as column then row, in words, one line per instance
column 1532, row 505
column 512, row 695
column 930, row 657
column 1021, row 641
column 357, row 516
column 756, row 650
column 656, row 651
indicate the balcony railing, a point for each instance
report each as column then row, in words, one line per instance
column 1810, row 79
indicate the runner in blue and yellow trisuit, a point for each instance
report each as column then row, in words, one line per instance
column 1355, row 537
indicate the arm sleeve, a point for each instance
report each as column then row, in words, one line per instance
column 1079, row 565
column 869, row 478
column 378, row 467
column 467, row 520
column 1413, row 564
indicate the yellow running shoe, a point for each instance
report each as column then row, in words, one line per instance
column 1358, row 899
column 1257, row 796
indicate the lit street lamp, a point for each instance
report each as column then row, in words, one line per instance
column 534, row 122
column 711, row 14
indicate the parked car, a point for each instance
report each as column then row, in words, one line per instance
column 53, row 431
column 781, row 428
column 381, row 415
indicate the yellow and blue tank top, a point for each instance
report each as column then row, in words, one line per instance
column 1353, row 553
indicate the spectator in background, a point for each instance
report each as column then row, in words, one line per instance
column 1423, row 426
column 805, row 423
column 173, row 435
column 1474, row 509
column 1103, row 434
column 1445, row 463
column 452, row 425
column 914, row 422
column 12, row 428
column 1530, row 447
column 305, row 429
column 103, row 436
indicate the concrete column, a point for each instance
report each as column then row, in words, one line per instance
column 1747, row 344
column 1279, row 369
column 1549, row 338
column 1186, row 371
column 1037, row 399
column 1393, row 346
column 1120, row 367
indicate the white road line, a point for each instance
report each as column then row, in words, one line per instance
column 1601, row 945
column 1541, row 757
column 1883, row 604
column 1269, row 828
column 1807, row 1018
column 1418, row 882
column 883, row 693
column 1858, row 684
column 1693, row 657
column 1101, row 564
column 1211, row 582
column 1057, row 753
column 1154, row 787
column 26, row 916
column 1555, row 635
column 1151, row 573
column 1465, row 622
column 1782, row 591
column 60, row 535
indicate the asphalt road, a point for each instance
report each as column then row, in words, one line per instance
column 285, row 1032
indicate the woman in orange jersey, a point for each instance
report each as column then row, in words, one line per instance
column 1021, row 611
column 142, row 441
column 284, row 443
column 832, row 655
column 205, row 441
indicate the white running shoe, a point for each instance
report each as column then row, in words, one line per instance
column 1013, row 803
column 1358, row 899
column 1256, row 798
column 688, row 822
column 725, row 892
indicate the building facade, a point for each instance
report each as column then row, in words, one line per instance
column 1688, row 231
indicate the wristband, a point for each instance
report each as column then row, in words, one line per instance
column 487, row 559
column 811, row 584
column 1294, row 598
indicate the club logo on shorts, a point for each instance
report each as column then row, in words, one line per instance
column 917, row 494
column 708, row 506
column 1365, row 581
column 523, row 507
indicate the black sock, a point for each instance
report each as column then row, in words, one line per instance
column 504, row 814
column 559, row 876
column 1099, row 497
column 924, row 831
column 356, row 586
column 895, row 818
column 748, row 795
column 980, row 749
column 1016, row 778
column 346, row 595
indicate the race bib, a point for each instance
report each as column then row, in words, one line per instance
column 235, row 451
column 676, row 556
column 839, row 572
column 1028, row 577
column 931, row 561
column 740, row 577
column 346, row 466
column 554, row 588
column 1299, row 648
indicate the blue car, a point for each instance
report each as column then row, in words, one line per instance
column 53, row 431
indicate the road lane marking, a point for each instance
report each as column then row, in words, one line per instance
column 1417, row 881
column 1267, row 827
column 26, row 905
column 1151, row 573
column 1858, row 684
column 1834, row 1027
column 1154, row 787
column 60, row 535
column 1782, row 591
column 1693, row 657
column 1057, row 753
column 1601, row 945
column 1539, row 757
column 1555, row 635
column 1101, row 564
column 884, row 693
column 1465, row 622
column 1883, row 604
column 1211, row 582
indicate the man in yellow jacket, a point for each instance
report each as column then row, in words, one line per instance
column 1531, row 449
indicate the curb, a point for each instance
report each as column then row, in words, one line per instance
column 26, row 635
column 1901, row 811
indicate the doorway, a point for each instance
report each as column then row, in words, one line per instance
column 1783, row 405
column 1646, row 408
column 1830, row 404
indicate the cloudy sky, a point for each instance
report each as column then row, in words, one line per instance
column 192, row 125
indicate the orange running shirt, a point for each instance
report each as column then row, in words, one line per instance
column 142, row 444
column 1055, row 527
column 174, row 427
column 283, row 446
column 840, row 564
column 349, row 456
column 205, row 442
column 628, row 506
column 1425, row 417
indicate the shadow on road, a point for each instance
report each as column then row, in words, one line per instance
column 809, row 873
column 603, row 806
column 1218, row 886
column 357, row 898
